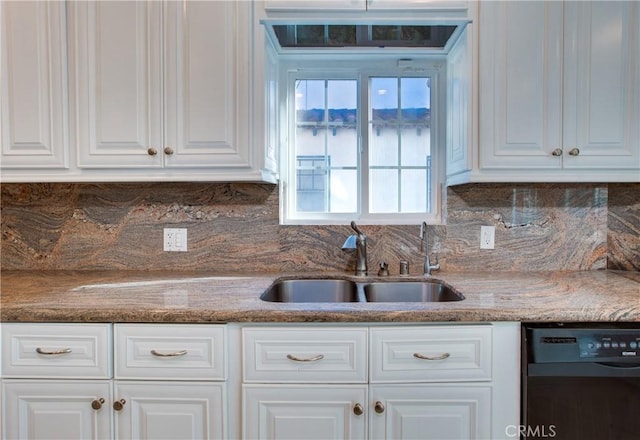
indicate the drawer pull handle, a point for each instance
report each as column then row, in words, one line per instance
column 311, row 359
column 54, row 352
column 97, row 404
column 167, row 355
column 431, row 358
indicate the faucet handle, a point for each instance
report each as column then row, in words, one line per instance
column 384, row 269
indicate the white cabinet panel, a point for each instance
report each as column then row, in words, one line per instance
column 34, row 115
column 309, row 412
column 206, row 93
column 56, row 350
column 304, row 354
column 520, row 84
column 559, row 91
column 48, row 410
column 430, row 412
column 171, row 352
column 115, row 59
column 170, row 410
column 431, row 354
column 602, row 84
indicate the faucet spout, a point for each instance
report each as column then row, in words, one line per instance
column 358, row 242
column 424, row 246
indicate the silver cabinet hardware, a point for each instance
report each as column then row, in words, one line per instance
column 557, row 152
column 431, row 358
column 311, row 359
column 152, row 151
column 168, row 151
column 172, row 354
column 54, row 352
column 574, row 151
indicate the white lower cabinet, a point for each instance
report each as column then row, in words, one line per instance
column 63, row 409
column 434, row 411
column 169, row 410
column 169, row 381
column 417, row 381
column 308, row 412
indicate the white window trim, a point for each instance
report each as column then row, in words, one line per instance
column 304, row 67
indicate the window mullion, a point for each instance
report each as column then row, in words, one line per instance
column 399, row 136
column 365, row 116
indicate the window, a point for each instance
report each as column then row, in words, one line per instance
column 360, row 142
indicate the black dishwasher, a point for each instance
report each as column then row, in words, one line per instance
column 580, row 381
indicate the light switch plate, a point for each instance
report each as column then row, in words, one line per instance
column 487, row 237
column 175, row 239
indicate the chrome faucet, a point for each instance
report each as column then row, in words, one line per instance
column 358, row 242
column 424, row 247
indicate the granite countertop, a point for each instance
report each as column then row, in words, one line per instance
column 114, row 296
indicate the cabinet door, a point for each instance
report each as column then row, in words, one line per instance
column 430, row 411
column 48, row 410
column 314, row 5
column 436, row 5
column 116, row 72
column 311, row 412
column 602, row 84
column 169, row 410
column 34, row 112
column 520, row 68
column 207, row 104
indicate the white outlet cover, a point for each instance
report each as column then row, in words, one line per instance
column 175, row 240
column 487, row 237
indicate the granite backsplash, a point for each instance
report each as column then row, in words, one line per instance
column 233, row 228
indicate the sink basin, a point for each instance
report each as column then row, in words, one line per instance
column 418, row 291
column 312, row 291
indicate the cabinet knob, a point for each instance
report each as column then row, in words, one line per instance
column 119, row 404
column 557, row 152
column 358, row 409
column 152, row 151
column 168, row 151
column 574, row 151
column 378, row 407
column 97, row 404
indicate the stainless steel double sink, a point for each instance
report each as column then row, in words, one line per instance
column 339, row 290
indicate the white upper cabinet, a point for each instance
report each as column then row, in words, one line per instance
column 559, row 91
column 33, row 94
column 157, row 90
column 116, row 68
column 437, row 7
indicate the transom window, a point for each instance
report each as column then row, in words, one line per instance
column 360, row 145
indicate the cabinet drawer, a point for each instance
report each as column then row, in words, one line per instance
column 305, row 354
column 56, row 350
column 171, row 352
column 431, row 354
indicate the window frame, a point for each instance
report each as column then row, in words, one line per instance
column 362, row 69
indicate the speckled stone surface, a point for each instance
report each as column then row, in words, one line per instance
column 112, row 296
column 233, row 228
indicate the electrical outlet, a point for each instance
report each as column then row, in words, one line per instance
column 175, row 239
column 487, row 237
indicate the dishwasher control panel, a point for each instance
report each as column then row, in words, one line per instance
column 583, row 344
